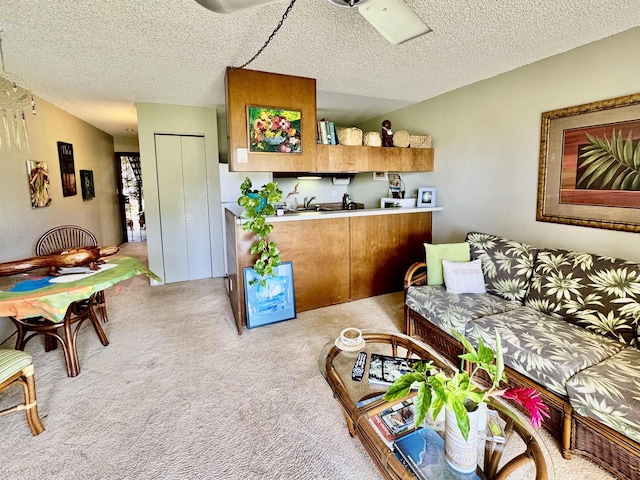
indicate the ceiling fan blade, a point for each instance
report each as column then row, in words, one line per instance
column 231, row 6
column 394, row 20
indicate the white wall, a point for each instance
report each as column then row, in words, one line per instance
column 21, row 225
column 126, row 144
column 176, row 119
column 487, row 142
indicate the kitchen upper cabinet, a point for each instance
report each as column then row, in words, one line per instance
column 346, row 158
column 250, row 88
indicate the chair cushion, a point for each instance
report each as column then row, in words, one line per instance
column 507, row 265
column 610, row 392
column 601, row 294
column 452, row 311
column 11, row 362
column 547, row 350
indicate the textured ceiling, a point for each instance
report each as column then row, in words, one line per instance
column 95, row 59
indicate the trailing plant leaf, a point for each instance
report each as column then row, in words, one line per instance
column 257, row 205
column 614, row 162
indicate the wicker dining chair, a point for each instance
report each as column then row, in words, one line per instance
column 71, row 236
column 16, row 368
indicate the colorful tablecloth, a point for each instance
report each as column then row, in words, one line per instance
column 37, row 297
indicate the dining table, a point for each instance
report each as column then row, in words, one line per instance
column 56, row 305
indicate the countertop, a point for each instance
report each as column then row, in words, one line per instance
column 314, row 215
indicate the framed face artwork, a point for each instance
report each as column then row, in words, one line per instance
column 86, row 182
column 589, row 172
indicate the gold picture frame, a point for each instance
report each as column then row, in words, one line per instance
column 589, row 171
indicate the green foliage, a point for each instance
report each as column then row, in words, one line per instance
column 456, row 392
column 614, row 162
column 258, row 204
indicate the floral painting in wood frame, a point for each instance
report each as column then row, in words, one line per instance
column 589, row 171
column 274, row 130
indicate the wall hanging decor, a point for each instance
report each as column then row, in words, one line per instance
column 274, row 130
column 272, row 302
column 589, row 172
column 15, row 97
column 86, row 183
column 67, row 169
column 39, row 185
column 426, row 197
column 251, row 93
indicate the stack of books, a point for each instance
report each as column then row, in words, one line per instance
column 327, row 132
column 394, row 422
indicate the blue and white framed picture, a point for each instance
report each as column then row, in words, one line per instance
column 275, row 301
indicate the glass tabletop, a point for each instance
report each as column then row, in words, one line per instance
column 336, row 366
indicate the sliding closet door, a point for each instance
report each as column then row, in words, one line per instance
column 196, row 207
column 184, row 207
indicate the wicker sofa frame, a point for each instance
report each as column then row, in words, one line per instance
column 575, row 433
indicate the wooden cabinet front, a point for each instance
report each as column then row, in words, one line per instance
column 345, row 158
column 383, row 247
column 335, row 260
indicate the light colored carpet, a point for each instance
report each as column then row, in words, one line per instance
column 178, row 394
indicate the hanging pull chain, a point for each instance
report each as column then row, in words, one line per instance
column 273, row 34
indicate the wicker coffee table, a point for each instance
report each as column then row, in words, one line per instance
column 336, row 366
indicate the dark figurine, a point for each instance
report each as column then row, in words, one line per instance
column 387, row 134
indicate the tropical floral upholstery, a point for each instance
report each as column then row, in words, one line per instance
column 601, row 294
column 452, row 311
column 610, row 392
column 569, row 321
column 541, row 347
column 507, row 265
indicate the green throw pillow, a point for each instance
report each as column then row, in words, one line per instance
column 454, row 252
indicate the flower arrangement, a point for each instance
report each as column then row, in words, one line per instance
column 274, row 130
column 459, row 394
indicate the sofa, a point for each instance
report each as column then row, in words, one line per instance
column 569, row 327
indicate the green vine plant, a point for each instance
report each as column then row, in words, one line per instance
column 258, row 204
column 615, row 162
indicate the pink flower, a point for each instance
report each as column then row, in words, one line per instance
column 530, row 399
column 284, row 147
column 284, row 124
column 275, row 123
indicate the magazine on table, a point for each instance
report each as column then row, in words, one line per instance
column 384, row 370
column 399, row 420
column 394, row 422
column 423, row 451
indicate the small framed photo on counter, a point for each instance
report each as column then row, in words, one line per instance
column 426, row 197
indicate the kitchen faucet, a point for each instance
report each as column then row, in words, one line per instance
column 307, row 202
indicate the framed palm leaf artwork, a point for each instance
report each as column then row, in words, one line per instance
column 589, row 172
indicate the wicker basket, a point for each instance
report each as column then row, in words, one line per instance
column 372, row 139
column 349, row 136
column 401, row 139
column 420, row 141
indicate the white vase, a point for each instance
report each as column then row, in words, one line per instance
column 461, row 454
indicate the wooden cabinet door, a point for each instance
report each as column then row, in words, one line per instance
column 383, row 247
column 345, row 158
